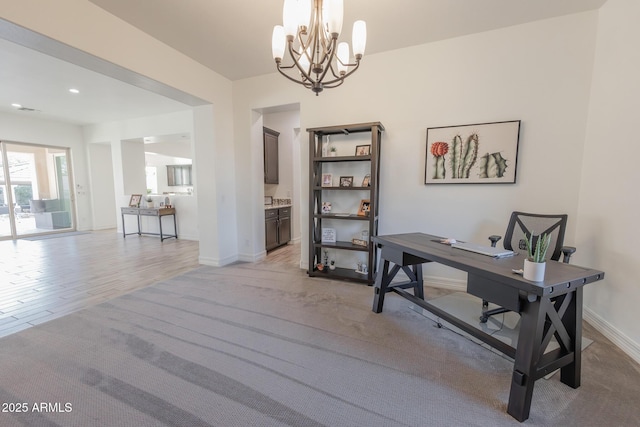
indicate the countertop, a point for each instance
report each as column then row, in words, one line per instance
column 266, row 207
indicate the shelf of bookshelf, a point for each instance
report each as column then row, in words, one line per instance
column 347, row 246
column 342, row 188
column 342, row 216
column 342, row 159
column 340, row 273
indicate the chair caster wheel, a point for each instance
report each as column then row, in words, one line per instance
column 483, row 319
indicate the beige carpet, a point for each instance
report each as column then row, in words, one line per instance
column 264, row 345
column 504, row 326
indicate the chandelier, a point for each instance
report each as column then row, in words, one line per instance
column 309, row 34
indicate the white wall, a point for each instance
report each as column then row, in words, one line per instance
column 607, row 224
column 20, row 128
column 133, row 173
column 102, row 187
column 214, row 162
column 538, row 73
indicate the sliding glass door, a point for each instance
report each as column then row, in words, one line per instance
column 6, row 220
column 36, row 196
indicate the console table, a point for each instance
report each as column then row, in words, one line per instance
column 552, row 308
column 151, row 212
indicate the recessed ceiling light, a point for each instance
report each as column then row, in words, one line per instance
column 74, row 90
column 16, row 105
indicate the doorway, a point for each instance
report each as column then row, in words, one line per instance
column 36, row 192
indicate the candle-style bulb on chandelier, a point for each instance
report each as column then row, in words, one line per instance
column 309, row 34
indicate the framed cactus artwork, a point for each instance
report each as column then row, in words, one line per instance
column 483, row 153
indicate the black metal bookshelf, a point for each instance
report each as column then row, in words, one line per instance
column 317, row 194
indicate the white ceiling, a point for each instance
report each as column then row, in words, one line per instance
column 233, row 38
column 42, row 82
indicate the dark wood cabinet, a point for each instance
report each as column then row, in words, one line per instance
column 353, row 157
column 270, row 138
column 277, row 227
column 284, row 227
column 271, row 228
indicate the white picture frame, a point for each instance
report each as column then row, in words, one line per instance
column 328, row 235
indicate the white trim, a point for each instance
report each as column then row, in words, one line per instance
column 190, row 237
column 252, row 257
column 625, row 343
column 214, row 262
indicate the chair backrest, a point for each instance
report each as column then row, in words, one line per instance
column 522, row 225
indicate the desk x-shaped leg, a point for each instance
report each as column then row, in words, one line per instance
column 385, row 276
column 542, row 319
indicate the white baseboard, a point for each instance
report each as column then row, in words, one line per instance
column 625, row 343
column 99, row 228
column 188, row 237
column 215, row 262
column 252, row 257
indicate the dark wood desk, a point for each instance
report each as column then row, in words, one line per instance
column 153, row 212
column 552, row 308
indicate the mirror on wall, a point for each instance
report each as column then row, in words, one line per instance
column 168, row 164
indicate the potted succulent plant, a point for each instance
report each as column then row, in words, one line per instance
column 333, row 151
column 535, row 263
column 149, row 202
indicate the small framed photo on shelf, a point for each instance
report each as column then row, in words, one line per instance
column 363, row 150
column 328, row 235
column 134, row 201
column 364, row 208
column 366, row 182
column 360, row 242
column 346, row 181
column 326, row 207
column 327, row 180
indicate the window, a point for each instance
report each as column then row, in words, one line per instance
column 179, row 175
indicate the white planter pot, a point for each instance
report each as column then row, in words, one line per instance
column 534, row 271
column 149, row 204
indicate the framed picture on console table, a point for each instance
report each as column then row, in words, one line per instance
column 134, row 201
column 483, row 153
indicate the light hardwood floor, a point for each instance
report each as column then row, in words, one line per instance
column 44, row 279
column 287, row 254
column 41, row 280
